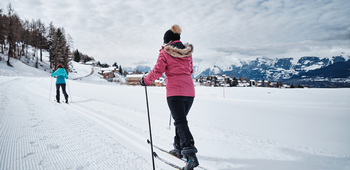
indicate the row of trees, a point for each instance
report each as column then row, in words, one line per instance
column 17, row 35
column 80, row 57
column 232, row 81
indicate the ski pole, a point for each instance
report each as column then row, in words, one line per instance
column 149, row 126
column 71, row 99
column 50, row 88
column 169, row 123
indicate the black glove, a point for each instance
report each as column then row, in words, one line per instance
column 142, row 82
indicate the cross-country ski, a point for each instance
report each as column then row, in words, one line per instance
column 166, row 162
column 165, row 151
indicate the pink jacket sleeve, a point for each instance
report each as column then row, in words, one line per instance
column 158, row 69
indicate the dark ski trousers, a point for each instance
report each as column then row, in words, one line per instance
column 179, row 107
column 63, row 86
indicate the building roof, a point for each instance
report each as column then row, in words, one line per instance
column 134, row 75
column 108, row 69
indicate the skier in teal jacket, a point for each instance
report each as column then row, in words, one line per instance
column 60, row 82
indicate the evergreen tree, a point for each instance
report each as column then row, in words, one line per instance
column 2, row 31
column 115, row 65
column 263, row 83
column 41, row 37
column 104, row 65
column 89, row 59
column 59, row 50
column 253, row 83
column 280, row 84
column 76, row 56
column 18, row 35
column 50, row 37
column 11, row 34
column 120, row 70
column 234, row 82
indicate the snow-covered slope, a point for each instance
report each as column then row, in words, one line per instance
column 20, row 69
column 105, row 126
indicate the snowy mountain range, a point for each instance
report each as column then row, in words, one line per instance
column 309, row 70
column 269, row 69
column 139, row 68
column 306, row 69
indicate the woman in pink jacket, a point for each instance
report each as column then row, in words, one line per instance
column 175, row 59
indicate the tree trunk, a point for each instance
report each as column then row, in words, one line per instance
column 36, row 62
column 41, row 55
column 22, row 50
column 9, row 55
column 26, row 51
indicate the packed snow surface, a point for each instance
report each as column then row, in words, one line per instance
column 105, row 125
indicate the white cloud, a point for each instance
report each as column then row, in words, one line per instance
column 131, row 32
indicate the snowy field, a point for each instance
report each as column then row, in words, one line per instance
column 105, row 125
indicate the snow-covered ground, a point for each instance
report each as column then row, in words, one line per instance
column 105, row 125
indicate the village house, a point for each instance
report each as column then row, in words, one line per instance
column 160, row 82
column 213, row 81
column 133, row 79
column 108, row 73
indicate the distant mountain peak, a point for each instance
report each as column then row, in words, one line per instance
column 273, row 69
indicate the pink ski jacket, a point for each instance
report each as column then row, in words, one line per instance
column 178, row 67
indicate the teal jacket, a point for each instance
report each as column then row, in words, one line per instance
column 61, row 74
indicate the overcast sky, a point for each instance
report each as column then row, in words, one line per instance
column 131, row 32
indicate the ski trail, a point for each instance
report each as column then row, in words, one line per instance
column 92, row 72
column 115, row 128
column 119, row 130
column 130, row 139
column 42, row 134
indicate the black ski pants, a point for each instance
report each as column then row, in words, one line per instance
column 63, row 86
column 179, row 107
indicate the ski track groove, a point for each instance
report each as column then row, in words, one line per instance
column 30, row 145
column 116, row 127
column 66, row 107
column 34, row 137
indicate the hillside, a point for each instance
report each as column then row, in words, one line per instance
column 105, row 126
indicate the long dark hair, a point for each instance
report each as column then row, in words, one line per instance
column 59, row 66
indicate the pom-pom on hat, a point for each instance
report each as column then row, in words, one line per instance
column 172, row 34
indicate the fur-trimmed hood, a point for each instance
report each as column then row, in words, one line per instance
column 179, row 53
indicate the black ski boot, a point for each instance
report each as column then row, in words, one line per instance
column 190, row 154
column 67, row 99
column 58, row 99
column 176, row 151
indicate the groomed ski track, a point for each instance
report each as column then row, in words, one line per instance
column 52, row 132
column 105, row 127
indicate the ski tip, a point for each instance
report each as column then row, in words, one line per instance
column 155, row 154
